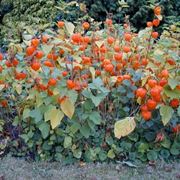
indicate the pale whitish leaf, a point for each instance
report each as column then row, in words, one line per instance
column 124, row 127
column 130, row 164
column 92, row 70
column 67, row 141
column 166, row 113
column 160, row 17
column 2, row 87
column 99, row 43
column 27, row 37
column 69, row 27
column 53, row 115
column 47, row 48
column 173, row 83
column 68, row 108
column 18, row 88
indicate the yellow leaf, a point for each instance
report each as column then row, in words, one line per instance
column 124, row 127
column 83, row 7
column 54, row 116
column 68, row 108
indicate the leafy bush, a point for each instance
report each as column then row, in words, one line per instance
column 40, row 15
column 93, row 95
column 139, row 11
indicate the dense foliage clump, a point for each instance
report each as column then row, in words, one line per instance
column 80, row 93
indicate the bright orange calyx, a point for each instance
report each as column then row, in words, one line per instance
column 86, row 25
column 52, row 82
column 60, row 24
column 35, row 66
column 70, row 84
column 141, row 92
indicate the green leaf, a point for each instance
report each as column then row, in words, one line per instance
column 54, row 115
column 152, row 155
column 173, row 83
column 85, row 131
column 26, row 113
column 175, row 93
column 95, row 117
column 166, row 143
column 67, row 142
column 143, row 147
column 36, row 114
column 166, row 113
column 124, row 127
column 111, row 154
column 45, row 129
column 77, row 153
column 178, row 111
column 102, row 155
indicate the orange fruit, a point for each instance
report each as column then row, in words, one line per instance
column 149, row 24
column 155, row 35
column 15, row 62
column 126, row 49
column 86, row 25
column 163, row 82
column 70, row 84
column 116, row 48
column 156, row 22
column 1, row 56
column 144, row 61
column 35, row 66
column 87, row 39
column 164, row 73
column 171, row 61
column 141, row 92
column 144, row 107
column 35, row 42
column 109, row 22
column 4, row 103
column 76, row 37
column 108, row 68
column 157, row 10
column 30, row 50
column 118, row 56
column 155, row 92
column 8, row 64
column 146, row 115
column 174, row 103
column 110, row 40
column 39, row 54
column 52, row 82
column 44, row 39
column 48, row 63
column 152, row 83
column 1, row 69
column 127, row 37
column 60, row 24
column 151, row 104
column 64, row 73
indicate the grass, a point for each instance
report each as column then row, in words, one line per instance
column 19, row 169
